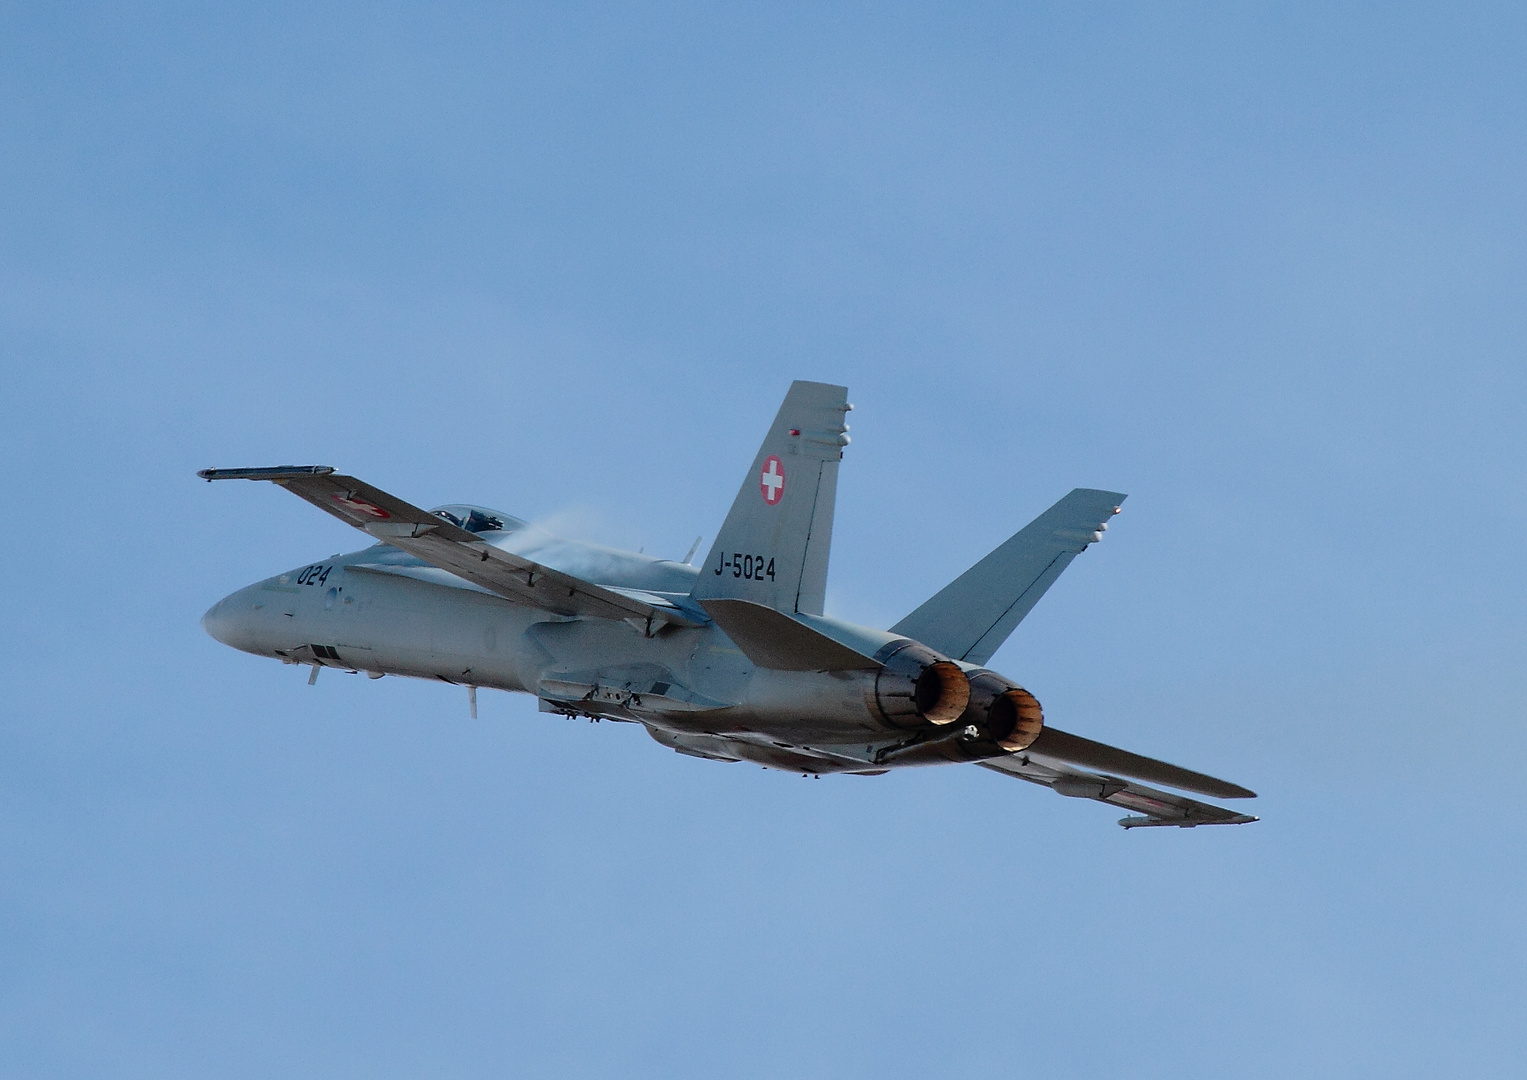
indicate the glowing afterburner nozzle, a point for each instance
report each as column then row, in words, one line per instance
column 917, row 686
column 1015, row 719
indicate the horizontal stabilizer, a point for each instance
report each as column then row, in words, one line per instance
column 973, row 615
column 1074, row 750
column 772, row 639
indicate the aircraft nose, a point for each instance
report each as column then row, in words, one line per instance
column 216, row 621
column 228, row 620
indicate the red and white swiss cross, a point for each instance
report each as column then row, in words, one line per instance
column 357, row 505
column 772, row 480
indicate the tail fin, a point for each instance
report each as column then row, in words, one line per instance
column 773, row 547
column 972, row 616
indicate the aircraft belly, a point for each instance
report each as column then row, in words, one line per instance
column 693, row 681
column 770, row 753
column 793, row 717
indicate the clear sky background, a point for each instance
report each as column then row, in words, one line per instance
column 1261, row 266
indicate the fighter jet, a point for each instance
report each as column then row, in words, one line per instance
column 732, row 661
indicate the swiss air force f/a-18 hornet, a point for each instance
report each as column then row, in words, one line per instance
column 733, row 661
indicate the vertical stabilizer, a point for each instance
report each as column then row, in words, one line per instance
column 973, row 615
column 773, row 547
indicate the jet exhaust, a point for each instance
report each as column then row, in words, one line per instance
column 1009, row 714
column 917, row 686
column 1000, row 718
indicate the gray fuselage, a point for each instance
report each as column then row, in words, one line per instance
column 385, row 612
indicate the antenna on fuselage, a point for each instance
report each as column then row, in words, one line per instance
column 692, row 549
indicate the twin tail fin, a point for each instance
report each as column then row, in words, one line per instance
column 773, row 547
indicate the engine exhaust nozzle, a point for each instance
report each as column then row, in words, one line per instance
column 1015, row 719
column 917, row 686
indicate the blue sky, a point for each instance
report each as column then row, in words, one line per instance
column 1260, row 266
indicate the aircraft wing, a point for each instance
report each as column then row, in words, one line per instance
column 1054, row 744
column 1151, row 806
column 465, row 554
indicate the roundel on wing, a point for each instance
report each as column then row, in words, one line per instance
column 361, row 506
column 771, row 482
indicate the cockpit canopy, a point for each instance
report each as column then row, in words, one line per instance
column 477, row 519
